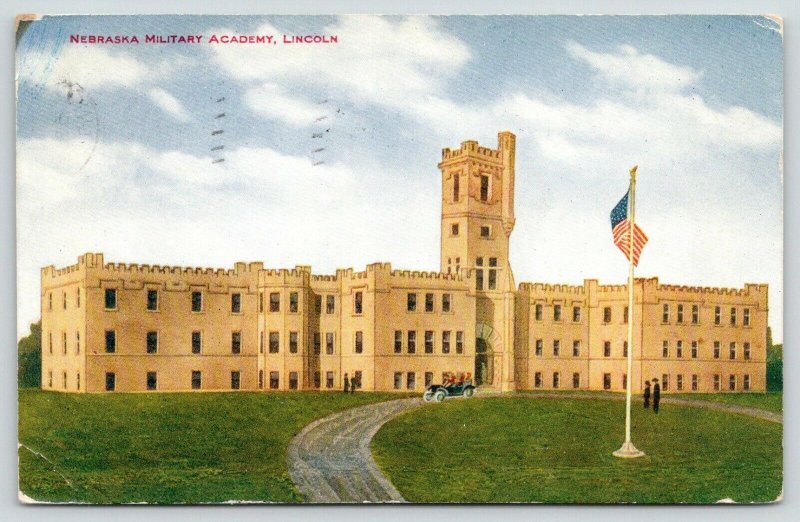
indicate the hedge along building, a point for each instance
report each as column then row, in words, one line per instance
column 129, row 327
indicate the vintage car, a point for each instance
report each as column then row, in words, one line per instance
column 452, row 387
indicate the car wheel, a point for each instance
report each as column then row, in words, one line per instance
column 469, row 392
column 427, row 396
column 439, row 396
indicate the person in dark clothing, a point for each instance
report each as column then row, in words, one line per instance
column 656, row 395
column 646, row 394
column 346, row 383
column 353, row 384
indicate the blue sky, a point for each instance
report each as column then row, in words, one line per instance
column 113, row 150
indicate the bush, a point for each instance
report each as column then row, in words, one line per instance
column 29, row 358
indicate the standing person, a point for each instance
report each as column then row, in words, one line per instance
column 646, row 394
column 656, row 395
column 346, row 383
column 354, row 383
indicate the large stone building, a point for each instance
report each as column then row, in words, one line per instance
column 130, row 327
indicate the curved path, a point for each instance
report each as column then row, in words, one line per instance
column 330, row 459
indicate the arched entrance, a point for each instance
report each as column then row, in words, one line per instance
column 484, row 363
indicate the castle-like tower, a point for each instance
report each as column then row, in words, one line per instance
column 129, row 327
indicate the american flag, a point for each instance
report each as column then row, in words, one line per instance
column 620, row 226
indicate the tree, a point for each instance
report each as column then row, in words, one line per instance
column 774, row 364
column 29, row 358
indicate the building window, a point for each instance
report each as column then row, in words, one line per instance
column 665, row 349
column 152, row 300
column 732, row 352
column 695, row 314
column 359, row 342
column 358, row 303
column 576, row 348
column 274, row 302
column 607, row 314
column 261, row 302
column 411, row 302
column 680, row 313
column 445, row 341
column 152, row 342
column 537, row 312
column 236, row 303
column 275, row 380
column 624, row 348
column 235, row 380
column 694, row 382
column 716, row 349
column 64, row 300
column 152, row 381
column 716, row 382
column 746, row 317
column 665, row 313
column 733, row 316
column 556, row 347
column 456, row 187
column 428, row 341
column 679, row 382
column 398, row 380
column 746, row 351
column 411, row 380
column 197, row 301
column 717, row 315
column 556, row 379
column 679, row 349
column 317, row 343
column 606, row 381
column 274, row 342
column 732, row 383
column 50, row 341
column 454, row 229
column 479, row 279
column 318, row 304
column 746, row 382
column 197, row 341
column 607, row 349
column 539, row 347
column 236, row 342
column 411, row 347
column 492, row 278
column 625, row 315
column 329, row 343
column 398, row 341
column 64, row 375
column 624, row 381
column 576, row 314
column 317, row 380
column 556, row 312
column 484, row 188
column 111, row 341
column 429, row 302
column 77, row 342
column 78, row 305
column 330, row 304
column 459, row 342
column 485, row 231
column 446, row 298
column 50, row 379
column 292, row 342
column 78, row 379
column 665, row 382
column 111, row 381
column 694, row 349
column 294, row 302
column 197, row 380
column 64, row 342
column 537, row 380
column 428, row 379
column 111, row 299
column 260, row 379
column 293, row 380
column 50, row 301
column 576, row 380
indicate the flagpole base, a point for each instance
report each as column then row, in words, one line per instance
column 628, row 451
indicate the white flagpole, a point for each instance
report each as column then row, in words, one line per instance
column 628, row 450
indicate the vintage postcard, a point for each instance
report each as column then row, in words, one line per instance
column 425, row 259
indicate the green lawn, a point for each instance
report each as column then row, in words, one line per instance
column 771, row 401
column 559, row 451
column 166, row 448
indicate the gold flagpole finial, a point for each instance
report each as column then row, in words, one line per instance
column 633, row 170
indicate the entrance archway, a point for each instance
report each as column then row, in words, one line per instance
column 484, row 363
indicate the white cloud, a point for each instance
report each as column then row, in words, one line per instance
column 168, row 103
column 270, row 100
